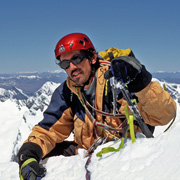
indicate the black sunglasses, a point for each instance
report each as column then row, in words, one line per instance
column 76, row 59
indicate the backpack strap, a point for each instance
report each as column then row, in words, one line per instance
column 111, row 55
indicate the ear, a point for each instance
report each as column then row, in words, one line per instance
column 94, row 58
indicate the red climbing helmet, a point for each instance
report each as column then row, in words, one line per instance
column 74, row 41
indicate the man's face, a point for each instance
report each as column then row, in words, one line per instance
column 78, row 73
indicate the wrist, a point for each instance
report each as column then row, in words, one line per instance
column 27, row 151
column 141, row 81
column 27, row 162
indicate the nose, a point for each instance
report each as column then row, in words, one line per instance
column 72, row 66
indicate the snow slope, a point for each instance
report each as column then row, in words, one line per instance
column 156, row 158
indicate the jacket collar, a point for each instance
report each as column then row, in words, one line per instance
column 101, row 81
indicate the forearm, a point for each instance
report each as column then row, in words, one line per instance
column 156, row 105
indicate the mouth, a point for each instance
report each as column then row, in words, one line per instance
column 76, row 73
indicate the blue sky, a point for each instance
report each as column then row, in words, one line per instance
column 29, row 30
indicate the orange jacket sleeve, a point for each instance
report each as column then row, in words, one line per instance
column 156, row 105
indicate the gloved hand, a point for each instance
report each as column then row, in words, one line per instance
column 125, row 68
column 130, row 71
column 32, row 170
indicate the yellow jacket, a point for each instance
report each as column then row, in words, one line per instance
column 66, row 113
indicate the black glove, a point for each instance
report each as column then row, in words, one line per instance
column 129, row 70
column 28, row 157
column 31, row 170
column 125, row 68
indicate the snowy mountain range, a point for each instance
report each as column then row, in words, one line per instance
column 171, row 77
column 28, row 83
column 24, row 97
column 23, row 85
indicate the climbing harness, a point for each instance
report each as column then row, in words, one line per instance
column 106, row 128
column 96, row 123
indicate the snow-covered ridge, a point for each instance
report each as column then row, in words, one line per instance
column 29, row 77
column 20, row 76
column 13, row 94
column 29, row 111
column 41, row 97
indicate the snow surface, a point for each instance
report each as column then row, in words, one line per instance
column 156, row 158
